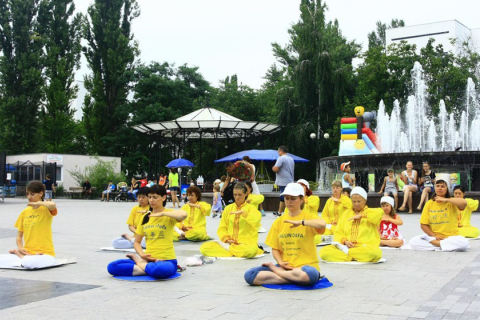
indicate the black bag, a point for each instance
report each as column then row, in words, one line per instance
column 228, row 194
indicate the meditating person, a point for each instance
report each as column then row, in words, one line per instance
column 34, row 237
column 409, row 177
column 333, row 210
column 356, row 236
column 426, row 183
column 292, row 239
column 390, row 236
column 159, row 260
column 126, row 240
column 237, row 230
column 439, row 221
column 464, row 227
column 194, row 227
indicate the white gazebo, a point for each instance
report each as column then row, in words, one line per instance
column 206, row 123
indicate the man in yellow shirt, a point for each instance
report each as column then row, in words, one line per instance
column 439, row 221
column 356, row 237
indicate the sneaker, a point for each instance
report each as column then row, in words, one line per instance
column 263, row 213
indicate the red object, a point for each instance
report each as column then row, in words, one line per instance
column 348, row 120
column 371, row 135
column 143, row 183
column 389, row 229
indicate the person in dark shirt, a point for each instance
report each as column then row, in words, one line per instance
column 87, row 188
column 49, row 187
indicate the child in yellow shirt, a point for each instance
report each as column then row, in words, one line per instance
column 194, row 227
column 292, row 239
column 34, row 237
column 126, row 241
column 439, row 221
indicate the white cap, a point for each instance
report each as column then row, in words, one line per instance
column 217, row 181
column 293, row 189
column 360, row 191
column 304, row 182
column 388, row 200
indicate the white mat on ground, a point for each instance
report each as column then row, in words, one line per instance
column 321, row 244
column 382, row 260
column 58, row 262
column 236, row 258
column 119, row 250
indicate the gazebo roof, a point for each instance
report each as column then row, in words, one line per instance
column 207, row 123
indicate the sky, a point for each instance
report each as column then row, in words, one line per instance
column 226, row 37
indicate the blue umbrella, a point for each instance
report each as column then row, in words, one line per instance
column 180, row 163
column 10, row 168
column 260, row 155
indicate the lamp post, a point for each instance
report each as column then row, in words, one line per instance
column 318, row 154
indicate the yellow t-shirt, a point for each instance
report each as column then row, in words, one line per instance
column 36, row 225
column 442, row 218
column 158, row 233
column 135, row 214
column 466, row 214
column 240, row 228
column 360, row 232
column 196, row 216
column 333, row 211
column 255, row 199
column 311, row 205
column 297, row 245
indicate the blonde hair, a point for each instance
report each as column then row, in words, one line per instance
column 216, row 187
column 336, row 183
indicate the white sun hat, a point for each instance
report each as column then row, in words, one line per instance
column 388, row 200
column 360, row 191
column 293, row 189
column 304, row 182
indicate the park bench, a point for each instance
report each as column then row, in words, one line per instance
column 77, row 192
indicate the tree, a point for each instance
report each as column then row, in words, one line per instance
column 378, row 38
column 20, row 75
column 111, row 54
column 61, row 32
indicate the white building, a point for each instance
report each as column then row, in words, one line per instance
column 65, row 163
column 442, row 32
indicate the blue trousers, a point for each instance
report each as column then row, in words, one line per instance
column 158, row 270
column 312, row 273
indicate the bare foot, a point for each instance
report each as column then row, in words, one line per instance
column 410, row 212
column 269, row 265
column 133, row 257
column 402, row 208
column 17, row 253
column 127, row 237
column 419, row 208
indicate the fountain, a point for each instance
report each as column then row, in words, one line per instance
column 449, row 141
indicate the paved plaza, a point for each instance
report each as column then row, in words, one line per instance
column 410, row 285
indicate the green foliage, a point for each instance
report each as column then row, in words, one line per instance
column 21, row 78
column 110, row 54
column 99, row 174
column 59, row 191
column 61, row 30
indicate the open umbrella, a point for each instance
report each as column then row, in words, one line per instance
column 180, row 163
column 260, row 155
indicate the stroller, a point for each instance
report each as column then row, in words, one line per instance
column 122, row 188
column 228, row 194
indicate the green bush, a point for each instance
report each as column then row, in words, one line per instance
column 99, row 174
column 59, row 191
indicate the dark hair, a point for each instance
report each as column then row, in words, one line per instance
column 173, row 170
column 423, row 171
column 143, row 191
column 195, row 190
column 461, row 188
column 228, row 164
column 441, row 181
column 36, row 186
column 248, row 184
column 240, row 185
column 48, row 176
column 155, row 189
column 247, row 158
column 347, row 190
column 283, row 148
column 223, row 178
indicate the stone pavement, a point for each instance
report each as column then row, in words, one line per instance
column 410, row 285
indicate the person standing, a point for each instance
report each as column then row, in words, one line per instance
column 284, row 169
column 49, row 187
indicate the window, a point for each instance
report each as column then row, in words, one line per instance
column 58, row 173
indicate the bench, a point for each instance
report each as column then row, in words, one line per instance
column 77, row 192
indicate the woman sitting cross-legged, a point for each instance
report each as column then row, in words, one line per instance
column 158, row 260
column 356, row 236
column 292, row 239
column 439, row 221
column 464, row 226
column 237, row 230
